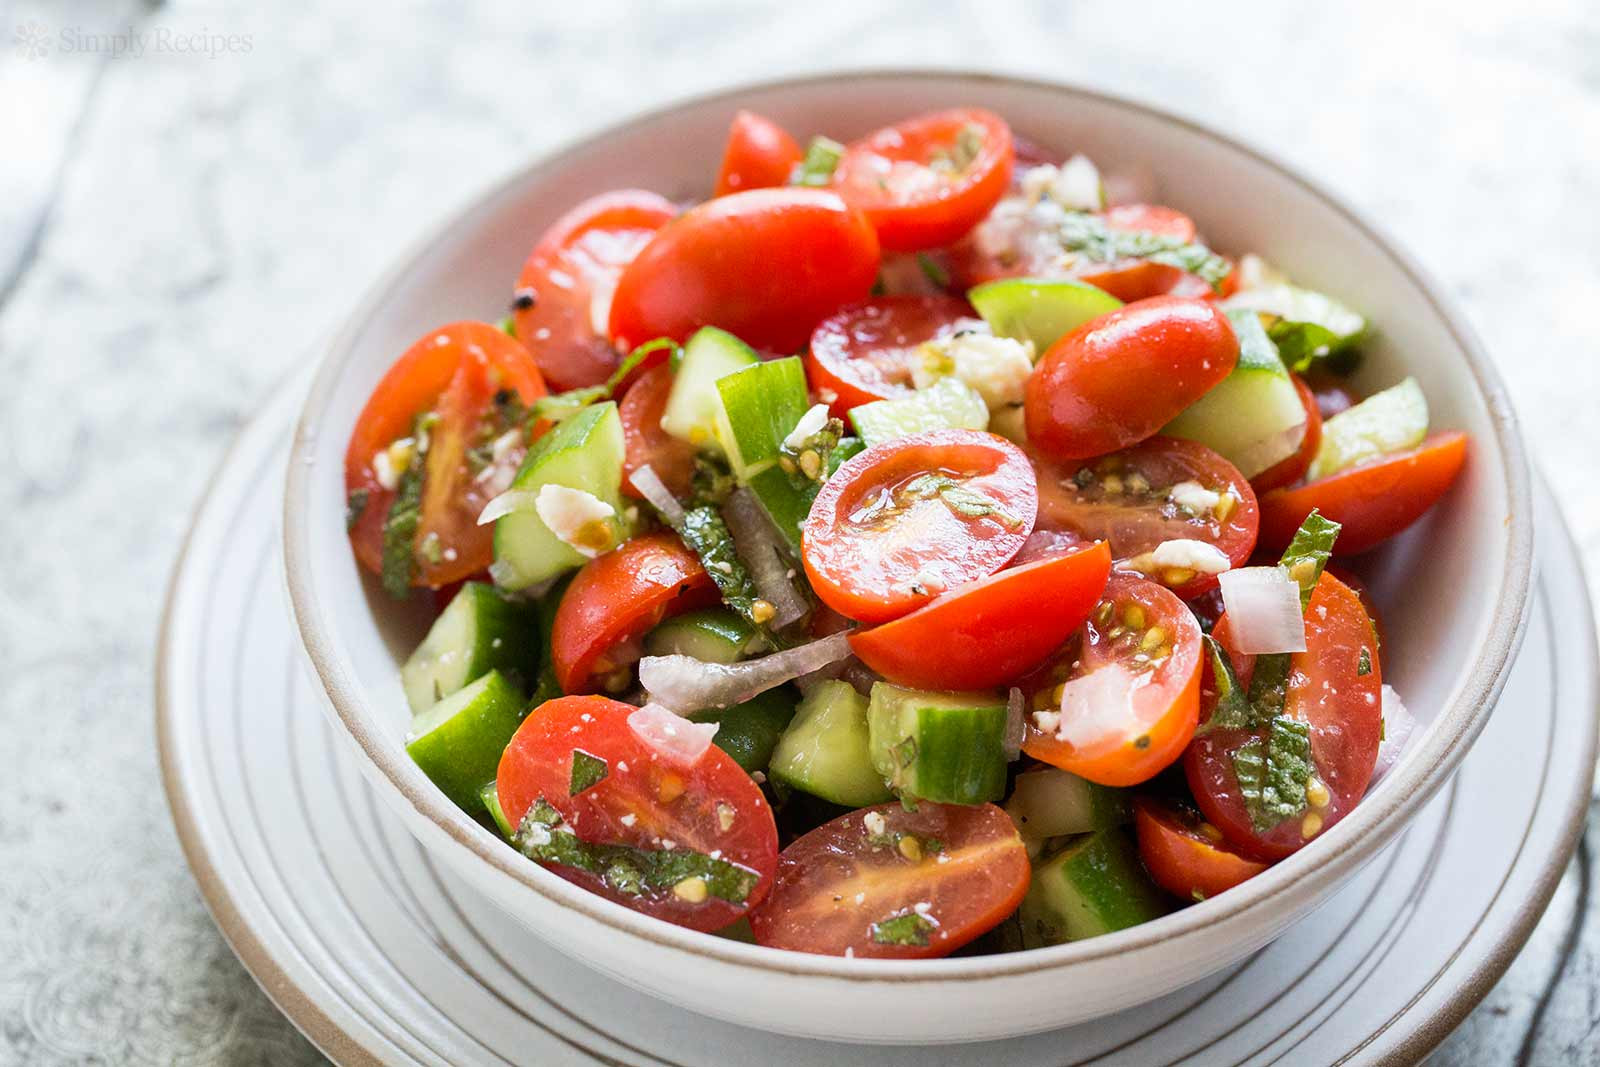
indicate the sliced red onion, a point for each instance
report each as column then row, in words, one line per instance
column 757, row 544
column 1015, row 727
column 507, row 502
column 674, row 738
column 1264, row 615
column 1398, row 726
column 687, row 685
column 654, row 490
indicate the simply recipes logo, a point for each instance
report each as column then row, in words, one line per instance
column 33, row 40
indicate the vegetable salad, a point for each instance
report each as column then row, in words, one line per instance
column 914, row 547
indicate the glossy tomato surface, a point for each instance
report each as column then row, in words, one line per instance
column 868, row 351
column 886, row 883
column 926, row 181
column 463, row 373
column 1145, row 645
column 760, row 155
column 645, row 800
column 563, row 297
column 1185, row 855
column 646, row 442
column 1119, row 378
column 1127, row 498
column 914, row 517
column 1327, row 690
column 615, row 599
column 766, row 265
column 993, row 631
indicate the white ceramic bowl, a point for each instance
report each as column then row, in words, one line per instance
column 1453, row 590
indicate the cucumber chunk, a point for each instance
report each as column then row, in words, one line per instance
column 824, row 751
column 757, row 408
column 1307, row 325
column 691, row 411
column 1049, row 802
column 945, row 747
column 582, row 452
column 1391, row 421
column 713, row 635
column 490, row 795
column 479, row 631
column 1094, row 886
column 947, row 403
column 1254, row 417
column 459, row 741
column 1038, row 309
column 749, row 732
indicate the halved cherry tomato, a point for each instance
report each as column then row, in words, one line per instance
column 991, row 632
column 1363, row 593
column 1373, row 502
column 911, row 518
column 866, row 351
column 919, row 885
column 1125, row 498
column 647, row 443
column 926, row 181
column 766, row 265
column 1119, row 378
column 563, row 299
column 1291, row 470
column 1182, row 857
column 458, row 372
column 1150, row 642
column 644, row 801
column 760, row 154
column 1327, row 690
column 615, row 599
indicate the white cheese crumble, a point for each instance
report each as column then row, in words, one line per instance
column 1075, row 185
column 1198, row 556
column 1194, row 498
column 812, row 421
column 392, row 462
column 874, row 822
column 577, row 518
column 997, row 368
column 537, row 835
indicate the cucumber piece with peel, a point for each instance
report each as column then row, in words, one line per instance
column 478, row 631
column 945, row 747
column 948, row 403
column 490, row 796
column 459, row 741
column 749, row 732
column 1049, row 802
column 691, row 411
column 825, row 752
column 1041, row 310
column 758, row 407
column 1394, row 420
column 1094, row 886
column 712, row 635
column 1253, row 417
column 1307, row 325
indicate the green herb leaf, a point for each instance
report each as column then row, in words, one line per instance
column 559, row 406
column 1364, row 664
column 354, row 507
column 817, row 167
column 1088, row 235
column 508, row 326
column 1273, row 772
column 400, row 529
column 588, row 771
column 959, row 498
column 911, row 928
column 1309, row 552
column 933, row 270
column 703, row 530
column 1232, row 709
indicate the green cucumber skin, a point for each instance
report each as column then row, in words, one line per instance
column 760, row 405
column 1393, row 420
column 712, row 635
column 1094, row 886
column 459, row 741
column 825, row 750
column 500, row 635
column 749, row 732
column 490, row 795
column 691, row 409
column 1038, row 309
column 784, row 504
column 958, row 754
column 947, row 404
column 1049, row 802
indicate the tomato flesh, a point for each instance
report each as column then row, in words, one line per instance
column 867, row 351
column 563, row 298
column 644, row 801
column 919, row 885
column 911, row 518
column 760, row 154
column 1126, row 498
column 646, row 442
column 1183, row 857
column 1327, row 690
column 1144, row 716
column 1292, row 469
column 991, row 632
column 615, row 599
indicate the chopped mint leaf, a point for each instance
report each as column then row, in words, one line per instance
column 1088, row 235
column 508, row 326
column 959, row 498
column 817, row 167
column 588, row 771
column 1364, row 664
column 1309, row 552
column 933, row 270
column 400, row 527
column 1273, row 771
column 1232, row 709
column 911, row 928
column 703, row 530
column 1301, row 344
column 354, row 507
column 559, row 406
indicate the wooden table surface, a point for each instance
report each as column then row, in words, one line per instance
column 190, row 194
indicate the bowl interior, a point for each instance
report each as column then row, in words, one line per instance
column 1450, row 590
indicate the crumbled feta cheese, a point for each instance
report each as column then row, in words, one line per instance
column 1048, row 722
column 1194, row 498
column 1075, row 185
column 392, row 462
column 577, row 518
column 812, row 421
column 1187, row 554
column 537, row 835
column 997, row 368
column 629, row 819
column 874, row 822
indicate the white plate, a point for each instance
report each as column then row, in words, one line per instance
column 380, row 956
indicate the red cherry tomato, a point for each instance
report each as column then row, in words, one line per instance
column 1182, row 857
column 866, row 351
column 913, row 517
column 647, row 443
column 1326, row 690
column 569, row 278
column 1145, row 635
column 1374, row 501
column 1119, row 378
column 1125, row 498
column 1152, row 218
column 991, row 632
column 645, row 801
column 457, row 372
column 760, row 154
column 928, row 180
column 848, row 887
column 766, row 265
column 1291, row 470
column 615, row 599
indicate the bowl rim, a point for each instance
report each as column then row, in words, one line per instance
column 1310, row 872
